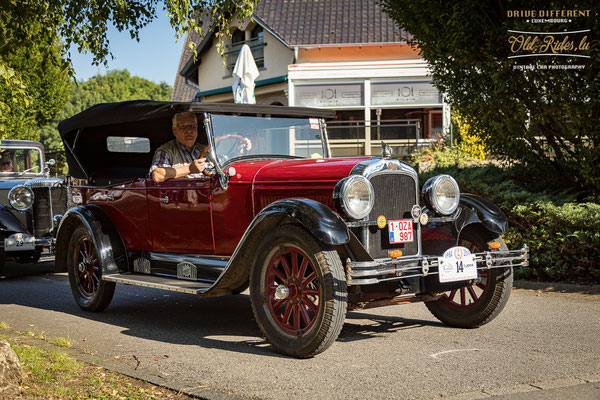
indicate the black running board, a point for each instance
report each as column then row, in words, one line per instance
column 160, row 282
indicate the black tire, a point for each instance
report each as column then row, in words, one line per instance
column 2, row 258
column 486, row 297
column 317, row 292
column 91, row 293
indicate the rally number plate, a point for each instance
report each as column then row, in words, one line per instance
column 401, row 231
column 19, row 242
column 457, row 264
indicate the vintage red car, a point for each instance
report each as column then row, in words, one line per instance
column 311, row 236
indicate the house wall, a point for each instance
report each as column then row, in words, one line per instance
column 212, row 74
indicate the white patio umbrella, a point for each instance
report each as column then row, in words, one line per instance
column 244, row 74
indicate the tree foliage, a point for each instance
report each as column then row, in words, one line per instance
column 547, row 118
column 83, row 25
column 35, row 81
column 115, row 85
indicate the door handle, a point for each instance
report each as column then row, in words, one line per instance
column 164, row 200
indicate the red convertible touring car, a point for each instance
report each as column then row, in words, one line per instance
column 311, row 236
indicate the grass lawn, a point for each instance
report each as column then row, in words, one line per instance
column 50, row 373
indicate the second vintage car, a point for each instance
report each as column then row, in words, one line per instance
column 310, row 235
column 31, row 203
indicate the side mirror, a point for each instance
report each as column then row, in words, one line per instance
column 51, row 161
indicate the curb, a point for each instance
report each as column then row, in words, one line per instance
column 557, row 287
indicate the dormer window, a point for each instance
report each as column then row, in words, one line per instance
column 238, row 37
column 254, row 39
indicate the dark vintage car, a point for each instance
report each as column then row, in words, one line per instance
column 31, row 203
column 310, row 235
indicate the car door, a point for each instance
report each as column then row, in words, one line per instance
column 180, row 216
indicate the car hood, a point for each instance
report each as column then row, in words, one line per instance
column 313, row 170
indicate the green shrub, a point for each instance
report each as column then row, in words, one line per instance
column 562, row 232
column 443, row 156
column 564, row 240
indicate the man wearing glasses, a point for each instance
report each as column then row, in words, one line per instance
column 181, row 156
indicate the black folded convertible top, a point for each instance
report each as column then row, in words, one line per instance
column 85, row 134
column 141, row 110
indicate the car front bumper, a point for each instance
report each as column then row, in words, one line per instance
column 384, row 270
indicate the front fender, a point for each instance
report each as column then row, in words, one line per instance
column 9, row 222
column 106, row 238
column 317, row 218
column 475, row 209
column 440, row 236
column 322, row 222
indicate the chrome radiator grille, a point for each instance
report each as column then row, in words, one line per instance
column 395, row 195
column 48, row 203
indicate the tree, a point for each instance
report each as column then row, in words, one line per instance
column 83, row 24
column 32, row 97
column 116, row 85
column 547, row 118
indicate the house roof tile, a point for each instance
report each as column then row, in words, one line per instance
column 305, row 23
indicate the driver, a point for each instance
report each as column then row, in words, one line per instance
column 181, row 156
column 6, row 163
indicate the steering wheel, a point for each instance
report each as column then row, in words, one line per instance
column 236, row 145
column 204, row 171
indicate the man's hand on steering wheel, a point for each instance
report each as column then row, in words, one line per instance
column 243, row 146
column 204, row 163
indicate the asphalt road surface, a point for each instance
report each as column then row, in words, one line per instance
column 543, row 345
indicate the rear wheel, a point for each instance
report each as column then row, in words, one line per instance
column 478, row 304
column 85, row 273
column 2, row 258
column 298, row 291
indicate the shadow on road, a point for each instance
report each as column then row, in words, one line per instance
column 379, row 325
column 224, row 323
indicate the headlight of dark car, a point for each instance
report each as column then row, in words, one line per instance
column 21, row 198
column 441, row 194
column 354, row 196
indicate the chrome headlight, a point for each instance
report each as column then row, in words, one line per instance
column 354, row 196
column 441, row 194
column 21, row 197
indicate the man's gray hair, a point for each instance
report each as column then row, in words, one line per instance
column 177, row 116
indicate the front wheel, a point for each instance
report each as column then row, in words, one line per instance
column 91, row 293
column 2, row 259
column 478, row 304
column 298, row 292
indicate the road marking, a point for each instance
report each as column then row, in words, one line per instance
column 436, row 355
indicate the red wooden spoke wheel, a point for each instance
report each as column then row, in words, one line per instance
column 88, row 271
column 293, row 290
column 298, row 291
column 479, row 303
column 85, row 272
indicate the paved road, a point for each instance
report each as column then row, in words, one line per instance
column 544, row 345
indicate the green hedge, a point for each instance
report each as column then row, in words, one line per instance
column 562, row 232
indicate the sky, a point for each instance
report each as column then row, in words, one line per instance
column 154, row 57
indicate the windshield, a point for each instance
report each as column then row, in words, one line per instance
column 237, row 136
column 18, row 161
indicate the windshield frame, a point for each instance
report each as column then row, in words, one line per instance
column 21, row 173
column 209, row 128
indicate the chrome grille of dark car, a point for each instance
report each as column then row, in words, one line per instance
column 395, row 195
column 48, row 203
